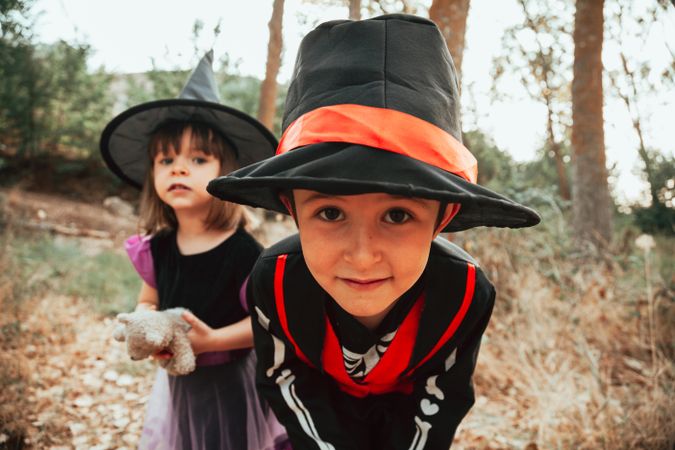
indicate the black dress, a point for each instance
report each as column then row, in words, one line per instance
column 205, row 283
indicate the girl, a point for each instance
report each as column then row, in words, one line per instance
column 196, row 254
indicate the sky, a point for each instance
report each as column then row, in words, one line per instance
column 128, row 35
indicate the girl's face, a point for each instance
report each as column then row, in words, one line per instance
column 181, row 176
column 365, row 250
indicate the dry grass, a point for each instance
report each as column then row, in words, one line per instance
column 570, row 359
column 27, row 333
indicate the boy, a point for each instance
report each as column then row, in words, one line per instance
column 367, row 328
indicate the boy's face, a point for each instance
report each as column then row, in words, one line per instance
column 365, row 250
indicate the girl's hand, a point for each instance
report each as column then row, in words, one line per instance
column 201, row 335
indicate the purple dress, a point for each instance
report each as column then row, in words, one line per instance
column 216, row 406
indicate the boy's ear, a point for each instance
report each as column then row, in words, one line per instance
column 451, row 211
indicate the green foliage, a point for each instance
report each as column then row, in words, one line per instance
column 17, row 74
column 153, row 85
column 495, row 167
column 539, row 173
column 237, row 91
column 659, row 217
column 530, row 182
column 242, row 93
column 106, row 279
column 79, row 102
column 13, row 19
column 49, row 102
column 40, row 263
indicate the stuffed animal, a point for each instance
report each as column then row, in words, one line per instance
column 150, row 332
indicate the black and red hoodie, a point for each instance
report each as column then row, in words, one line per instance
column 418, row 383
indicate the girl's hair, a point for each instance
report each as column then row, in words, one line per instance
column 155, row 215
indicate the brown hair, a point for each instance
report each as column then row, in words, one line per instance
column 155, row 215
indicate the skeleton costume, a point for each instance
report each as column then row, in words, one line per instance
column 373, row 106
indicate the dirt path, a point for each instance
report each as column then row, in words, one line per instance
column 84, row 391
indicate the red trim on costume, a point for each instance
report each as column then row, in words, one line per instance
column 382, row 128
column 281, row 306
column 386, row 376
column 457, row 320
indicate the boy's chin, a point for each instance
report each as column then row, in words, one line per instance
column 368, row 311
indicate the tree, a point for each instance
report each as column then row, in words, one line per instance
column 18, row 74
column 536, row 51
column 49, row 101
column 355, row 9
column 591, row 200
column 659, row 217
column 450, row 16
column 79, row 103
column 268, row 89
column 636, row 79
column 495, row 167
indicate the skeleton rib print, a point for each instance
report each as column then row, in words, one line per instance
column 358, row 365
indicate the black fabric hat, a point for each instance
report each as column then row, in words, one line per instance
column 373, row 106
column 124, row 141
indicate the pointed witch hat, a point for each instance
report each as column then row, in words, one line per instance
column 373, row 106
column 124, row 141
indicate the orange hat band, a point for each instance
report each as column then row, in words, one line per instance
column 386, row 129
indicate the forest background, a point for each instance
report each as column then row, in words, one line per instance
column 579, row 353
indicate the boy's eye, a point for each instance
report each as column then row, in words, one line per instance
column 165, row 161
column 396, row 216
column 331, row 214
column 199, row 160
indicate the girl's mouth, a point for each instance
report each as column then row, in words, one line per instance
column 178, row 187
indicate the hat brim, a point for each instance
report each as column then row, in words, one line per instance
column 346, row 169
column 124, row 141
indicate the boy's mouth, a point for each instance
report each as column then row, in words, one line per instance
column 178, row 187
column 364, row 284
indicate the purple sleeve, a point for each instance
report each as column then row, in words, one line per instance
column 138, row 249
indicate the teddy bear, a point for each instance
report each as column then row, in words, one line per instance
column 148, row 332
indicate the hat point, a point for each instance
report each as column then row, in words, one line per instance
column 201, row 85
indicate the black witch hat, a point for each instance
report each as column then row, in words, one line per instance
column 373, row 106
column 124, row 141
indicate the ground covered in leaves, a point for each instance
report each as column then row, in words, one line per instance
column 83, row 392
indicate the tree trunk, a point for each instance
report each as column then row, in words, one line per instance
column 591, row 200
column 450, row 16
column 542, row 68
column 355, row 9
column 268, row 89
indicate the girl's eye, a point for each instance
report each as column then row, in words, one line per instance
column 165, row 161
column 199, row 160
column 397, row 216
column 331, row 214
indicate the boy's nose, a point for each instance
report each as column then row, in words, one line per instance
column 362, row 249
